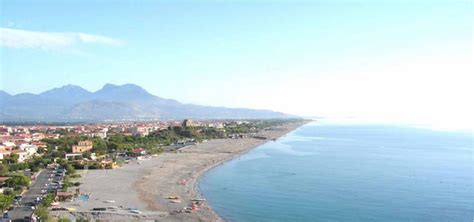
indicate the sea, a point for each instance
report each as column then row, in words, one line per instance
column 337, row 172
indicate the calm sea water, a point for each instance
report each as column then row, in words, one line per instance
column 349, row 173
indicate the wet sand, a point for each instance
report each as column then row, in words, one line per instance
column 147, row 184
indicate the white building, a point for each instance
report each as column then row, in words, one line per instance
column 140, row 131
column 4, row 154
column 22, row 155
column 30, row 150
column 9, row 144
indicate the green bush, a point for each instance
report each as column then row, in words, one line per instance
column 18, row 180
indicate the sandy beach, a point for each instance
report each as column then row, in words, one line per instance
column 147, row 185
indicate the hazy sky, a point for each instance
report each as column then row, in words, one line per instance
column 387, row 60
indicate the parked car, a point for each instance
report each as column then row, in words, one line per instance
column 99, row 209
column 5, row 215
column 18, row 197
column 58, row 209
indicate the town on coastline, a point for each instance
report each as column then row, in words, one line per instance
column 40, row 163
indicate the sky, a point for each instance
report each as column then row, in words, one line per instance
column 394, row 61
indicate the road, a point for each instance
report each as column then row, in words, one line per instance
column 24, row 209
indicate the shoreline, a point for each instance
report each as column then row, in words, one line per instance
column 205, row 170
column 150, row 182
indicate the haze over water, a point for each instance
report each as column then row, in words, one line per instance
column 349, row 173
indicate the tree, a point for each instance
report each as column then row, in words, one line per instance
column 48, row 200
column 18, row 181
column 4, row 169
column 70, row 170
column 42, row 209
column 13, row 158
column 156, row 150
column 61, row 162
column 86, row 155
column 42, row 212
column 99, row 146
column 5, row 201
column 42, row 150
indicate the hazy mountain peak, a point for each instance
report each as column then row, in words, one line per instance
column 68, row 94
column 109, row 86
column 3, row 93
column 128, row 87
column 66, row 89
column 128, row 101
column 126, row 92
column 71, row 86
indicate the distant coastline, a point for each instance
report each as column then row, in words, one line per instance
column 151, row 185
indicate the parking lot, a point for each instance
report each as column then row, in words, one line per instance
column 43, row 184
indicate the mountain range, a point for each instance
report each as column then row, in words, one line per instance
column 72, row 103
